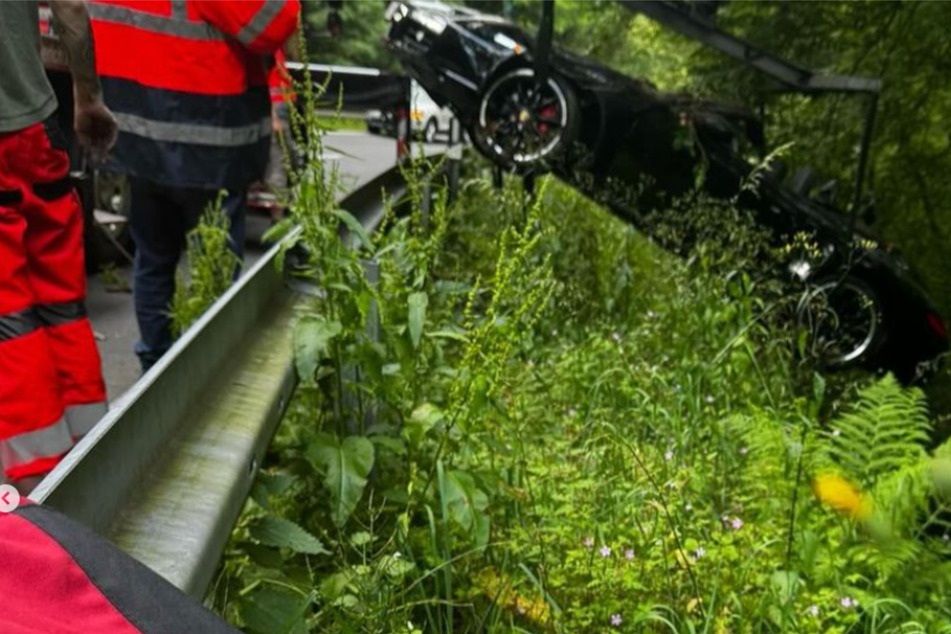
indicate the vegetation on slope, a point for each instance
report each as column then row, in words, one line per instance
column 535, row 420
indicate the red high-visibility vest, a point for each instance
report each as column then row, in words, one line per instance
column 279, row 80
column 187, row 81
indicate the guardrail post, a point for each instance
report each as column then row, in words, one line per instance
column 404, row 127
column 454, row 158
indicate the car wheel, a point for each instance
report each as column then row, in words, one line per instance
column 430, row 131
column 523, row 123
column 842, row 320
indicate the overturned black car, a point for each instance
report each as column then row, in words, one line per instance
column 597, row 129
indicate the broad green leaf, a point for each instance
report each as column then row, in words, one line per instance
column 264, row 556
column 786, row 584
column 389, row 443
column 417, row 316
column 354, row 226
column 423, row 419
column 282, row 533
column 312, row 336
column 272, row 609
column 335, row 585
column 261, row 495
column 346, row 466
column 466, row 501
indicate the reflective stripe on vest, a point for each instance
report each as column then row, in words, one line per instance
column 261, row 20
column 193, row 133
column 82, row 418
column 48, row 442
column 176, row 25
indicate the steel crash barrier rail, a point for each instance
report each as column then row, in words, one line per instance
column 165, row 474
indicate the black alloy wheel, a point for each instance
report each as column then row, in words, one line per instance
column 842, row 320
column 522, row 122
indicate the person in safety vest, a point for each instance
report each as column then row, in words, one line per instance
column 51, row 386
column 272, row 194
column 187, row 81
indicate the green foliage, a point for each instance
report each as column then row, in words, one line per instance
column 533, row 419
column 346, row 464
column 881, row 434
column 281, row 533
column 312, row 338
column 360, row 42
column 211, row 268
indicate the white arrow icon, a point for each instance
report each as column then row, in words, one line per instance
column 9, row 498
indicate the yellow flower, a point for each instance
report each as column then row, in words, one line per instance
column 499, row 589
column 838, row 493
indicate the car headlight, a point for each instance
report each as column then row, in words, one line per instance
column 396, row 11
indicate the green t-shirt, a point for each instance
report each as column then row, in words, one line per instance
column 26, row 96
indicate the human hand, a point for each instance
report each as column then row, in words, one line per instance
column 278, row 126
column 96, row 128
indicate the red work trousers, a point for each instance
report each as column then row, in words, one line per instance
column 51, row 387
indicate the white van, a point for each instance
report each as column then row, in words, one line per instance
column 429, row 120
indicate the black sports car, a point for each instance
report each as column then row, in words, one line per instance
column 626, row 144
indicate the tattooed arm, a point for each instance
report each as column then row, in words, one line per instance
column 95, row 125
column 75, row 34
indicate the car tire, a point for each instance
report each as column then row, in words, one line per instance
column 543, row 128
column 842, row 320
column 431, row 130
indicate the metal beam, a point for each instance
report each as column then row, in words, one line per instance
column 164, row 475
column 676, row 16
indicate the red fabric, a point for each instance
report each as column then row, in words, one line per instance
column 41, row 262
column 279, row 80
column 207, row 67
column 44, row 590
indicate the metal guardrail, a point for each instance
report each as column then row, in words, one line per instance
column 165, row 474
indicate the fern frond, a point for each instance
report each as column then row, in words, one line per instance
column 884, row 432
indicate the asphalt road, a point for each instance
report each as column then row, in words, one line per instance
column 360, row 157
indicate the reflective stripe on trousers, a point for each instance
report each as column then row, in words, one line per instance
column 82, row 418
column 25, row 454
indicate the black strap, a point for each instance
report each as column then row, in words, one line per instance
column 53, row 191
column 18, row 324
column 10, row 198
column 59, row 314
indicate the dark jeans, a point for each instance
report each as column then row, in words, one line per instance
column 161, row 218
